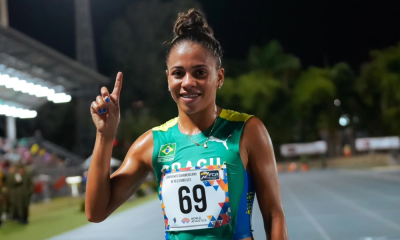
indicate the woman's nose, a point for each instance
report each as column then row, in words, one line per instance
column 188, row 81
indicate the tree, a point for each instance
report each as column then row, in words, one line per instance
column 135, row 44
column 265, row 89
column 379, row 88
column 313, row 98
column 273, row 59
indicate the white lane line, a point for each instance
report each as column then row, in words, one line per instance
column 308, row 215
column 370, row 175
column 365, row 211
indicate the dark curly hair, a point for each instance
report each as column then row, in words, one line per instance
column 192, row 26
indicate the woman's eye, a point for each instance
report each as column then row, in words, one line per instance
column 177, row 73
column 201, row 72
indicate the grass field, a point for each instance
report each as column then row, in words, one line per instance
column 58, row 216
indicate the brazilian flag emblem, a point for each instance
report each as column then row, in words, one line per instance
column 167, row 150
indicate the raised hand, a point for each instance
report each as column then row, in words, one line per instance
column 106, row 110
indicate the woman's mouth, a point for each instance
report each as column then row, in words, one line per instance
column 190, row 97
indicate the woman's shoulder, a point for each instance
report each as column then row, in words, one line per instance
column 166, row 126
column 255, row 134
column 234, row 116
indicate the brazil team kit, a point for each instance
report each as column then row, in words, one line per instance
column 205, row 192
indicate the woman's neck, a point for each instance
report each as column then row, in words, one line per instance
column 194, row 123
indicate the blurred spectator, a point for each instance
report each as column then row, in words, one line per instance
column 10, row 194
column 84, row 180
column 2, row 197
column 2, row 143
column 23, row 191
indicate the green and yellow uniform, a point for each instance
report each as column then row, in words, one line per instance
column 173, row 150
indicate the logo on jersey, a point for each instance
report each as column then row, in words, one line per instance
column 214, row 139
column 167, row 152
column 209, row 175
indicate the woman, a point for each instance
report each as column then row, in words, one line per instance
column 208, row 161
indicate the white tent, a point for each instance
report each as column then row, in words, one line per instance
column 114, row 162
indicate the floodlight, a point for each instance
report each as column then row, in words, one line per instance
column 3, row 79
column 344, row 121
column 12, row 111
column 59, row 98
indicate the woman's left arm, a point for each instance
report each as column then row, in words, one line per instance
column 256, row 148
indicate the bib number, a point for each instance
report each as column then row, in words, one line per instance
column 202, row 199
column 195, row 198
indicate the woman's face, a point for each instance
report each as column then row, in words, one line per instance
column 193, row 77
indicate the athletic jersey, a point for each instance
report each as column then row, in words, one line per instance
column 174, row 150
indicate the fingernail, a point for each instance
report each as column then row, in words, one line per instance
column 107, row 99
column 104, row 110
column 100, row 112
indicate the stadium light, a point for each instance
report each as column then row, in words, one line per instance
column 59, row 98
column 19, row 86
column 26, row 87
column 36, row 90
column 11, row 82
column 3, row 79
column 16, row 112
column 344, row 120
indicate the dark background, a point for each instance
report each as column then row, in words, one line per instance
column 318, row 32
column 326, row 55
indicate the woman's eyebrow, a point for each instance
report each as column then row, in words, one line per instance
column 196, row 66
column 200, row 65
column 178, row 67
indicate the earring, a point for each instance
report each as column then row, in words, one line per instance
column 169, row 88
column 220, row 86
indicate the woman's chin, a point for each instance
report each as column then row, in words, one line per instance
column 189, row 108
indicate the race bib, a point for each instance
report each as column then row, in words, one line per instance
column 195, row 198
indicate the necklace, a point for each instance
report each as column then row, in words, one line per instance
column 209, row 135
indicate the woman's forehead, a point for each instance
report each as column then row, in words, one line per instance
column 190, row 53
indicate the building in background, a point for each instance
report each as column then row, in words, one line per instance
column 32, row 74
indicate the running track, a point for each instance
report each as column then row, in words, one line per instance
column 319, row 205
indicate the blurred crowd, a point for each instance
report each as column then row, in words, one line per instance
column 16, row 180
column 17, row 187
column 29, row 173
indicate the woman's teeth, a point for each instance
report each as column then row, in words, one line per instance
column 191, row 96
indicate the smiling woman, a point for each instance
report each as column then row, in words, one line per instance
column 209, row 162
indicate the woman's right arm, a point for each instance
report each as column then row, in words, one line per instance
column 104, row 194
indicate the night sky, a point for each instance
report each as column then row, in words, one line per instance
column 318, row 32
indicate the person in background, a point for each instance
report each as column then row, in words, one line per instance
column 10, row 194
column 2, row 197
column 84, row 180
column 24, row 191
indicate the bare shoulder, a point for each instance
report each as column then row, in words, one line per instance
column 255, row 135
column 141, row 150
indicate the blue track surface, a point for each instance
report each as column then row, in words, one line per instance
column 319, row 205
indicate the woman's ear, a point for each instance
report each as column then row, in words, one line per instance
column 221, row 77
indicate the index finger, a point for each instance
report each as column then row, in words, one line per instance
column 118, row 85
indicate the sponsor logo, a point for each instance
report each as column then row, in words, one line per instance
column 214, row 139
column 185, row 220
column 198, row 219
column 209, row 175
